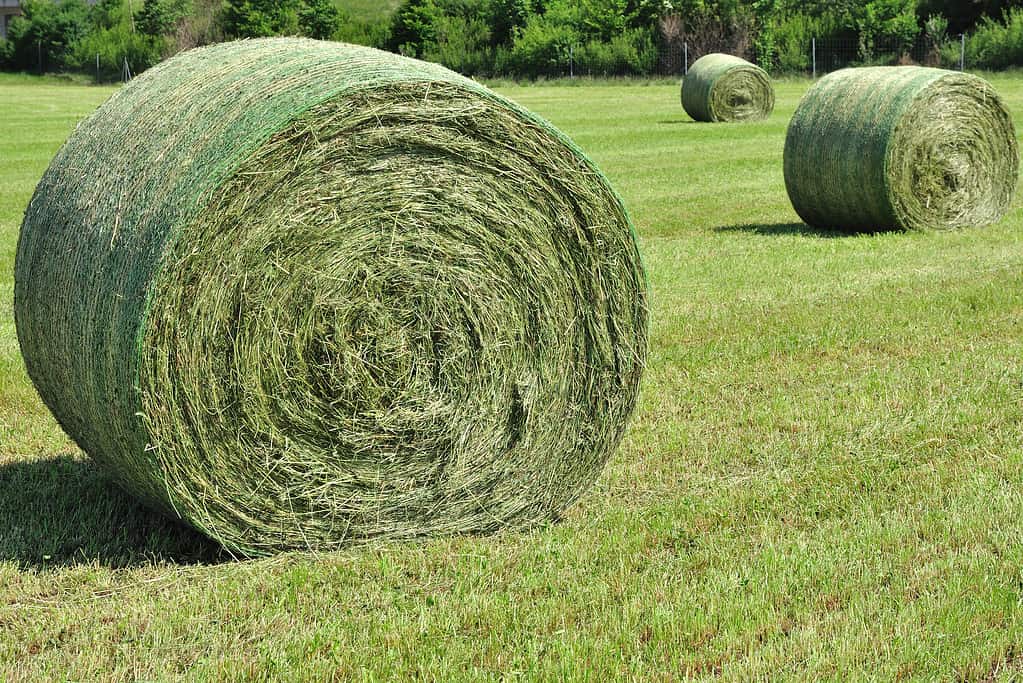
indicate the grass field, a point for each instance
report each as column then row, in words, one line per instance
column 824, row 476
column 368, row 10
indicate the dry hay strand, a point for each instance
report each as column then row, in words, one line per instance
column 721, row 87
column 913, row 148
column 304, row 294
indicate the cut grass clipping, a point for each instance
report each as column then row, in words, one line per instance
column 301, row 294
column 721, row 87
column 914, row 148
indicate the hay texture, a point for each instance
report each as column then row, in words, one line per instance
column 884, row 148
column 721, row 87
column 301, row 294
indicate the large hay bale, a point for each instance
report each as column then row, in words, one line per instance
column 721, row 87
column 885, row 148
column 301, row 293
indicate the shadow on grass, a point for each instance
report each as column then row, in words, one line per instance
column 675, row 122
column 776, row 229
column 62, row 512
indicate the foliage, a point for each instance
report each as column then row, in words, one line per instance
column 542, row 46
column 201, row 26
column 529, row 38
column 462, row 44
column 997, row 44
column 363, row 32
column 319, row 19
column 412, row 26
column 790, row 40
column 366, row 22
column 108, row 52
column 891, row 21
column 161, row 17
column 119, row 43
column 257, row 18
column 44, row 37
column 631, row 52
column 936, row 29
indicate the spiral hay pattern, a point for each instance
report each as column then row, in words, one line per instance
column 301, row 294
column 884, row 148
column 721, row 87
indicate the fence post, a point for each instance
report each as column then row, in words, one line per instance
column 813, row 52
column 97, row 67
column 962, row 52
column 571, row 61
column 39, row 55
column 685, row 47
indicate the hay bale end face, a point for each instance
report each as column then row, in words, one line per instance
column 301, row 294
column 885, row 148
column 721, row 87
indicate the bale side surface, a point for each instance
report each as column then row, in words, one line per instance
column 721, row 87
column 300, row 294
column 883, row 148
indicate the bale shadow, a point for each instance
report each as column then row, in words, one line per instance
column 779, row 229
column 63, row 512
column 675, row 122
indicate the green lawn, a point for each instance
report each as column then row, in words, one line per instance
column 824, row 476
column 368, row 10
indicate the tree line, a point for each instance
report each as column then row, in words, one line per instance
column 522, row 38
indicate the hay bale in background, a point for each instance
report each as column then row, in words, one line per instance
column 721, row 87
column 301, row 293
column 884, row 148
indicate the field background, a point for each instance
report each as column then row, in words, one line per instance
column 368, row 10
column 823, row 477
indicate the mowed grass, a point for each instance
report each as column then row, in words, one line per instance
column 824, row 477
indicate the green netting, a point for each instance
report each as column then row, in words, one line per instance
column 721, row 87
column 885, row 148
column 300, row 294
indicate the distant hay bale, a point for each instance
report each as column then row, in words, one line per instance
column 301, row 294
column 721, row 87
column 885, row 148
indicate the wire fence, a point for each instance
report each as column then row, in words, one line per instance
column 812, row 57
column 674, row 57
column 821, row 56
column 833, row 54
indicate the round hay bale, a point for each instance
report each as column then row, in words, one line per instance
column 721, row 87
column 884, row 148
column 300, row 294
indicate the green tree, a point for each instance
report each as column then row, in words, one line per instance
column 543, row 45
column 893, row 21
column 461, row 44
column 258, row 18
column 413, row 25
column 608, row 19
column 319, row 19
column 44, row 36
column 160, row 17
column 106, row 13
column 503, row 17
